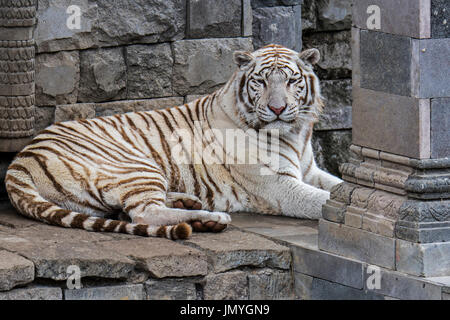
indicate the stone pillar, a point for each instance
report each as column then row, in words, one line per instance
column 17, row 19
column 393, row 210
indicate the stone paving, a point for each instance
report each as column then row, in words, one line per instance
column 258, row 257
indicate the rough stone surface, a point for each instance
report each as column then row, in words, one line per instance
column 309, row 16
column 57, row 77
column 121, row 292
column 331, row 149
column 440, row 122
column 385, row 62
column 149, row 71
column 271, row 285
column 43, row 117
column 335, row 14
column 274, row 3
column 423, row 259
column 327, row 266
column 201, row 66
column 107, row 24
column 231, row 249
column 226, row 286
column 335, row 54
column 110, row 108
column 14, row 270
column 214, row 19
column 278, row 25
column 402, row 286
column 391, row 123
column 74, row 112
column 102, row 75
column 171, row 289
column 162, row 257
column 440, row 19
column 356, row 244
column 33, row 293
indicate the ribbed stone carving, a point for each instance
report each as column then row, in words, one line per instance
column 17, row 76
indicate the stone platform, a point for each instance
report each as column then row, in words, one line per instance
column 258, row 257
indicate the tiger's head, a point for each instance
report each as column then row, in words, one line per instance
column 277, row 88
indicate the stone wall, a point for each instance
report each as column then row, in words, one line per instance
column 134, row 55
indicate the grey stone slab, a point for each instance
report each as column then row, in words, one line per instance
column 232, row 249
column 274, row 3
column 33, row 293
column 121, row 292
column 102, row 75
column 402, row 286
column 14, row 270
column 335, row 14
column 268, row 284
column 356, row 58
column 247, row 18
column 356, row 244
column 285, row 30
column 203, row 65
column 385, row 62
column 433, row 68
column 43, row 117
column 440, row 19
column 214, row 19
column 231, row 285
column 327, row 266
column 440, row 124
column 401, row 17
column 162, row 257
column 122, row 106
column 75, row 111
column 423, row 259
column 149, row 71
column 171, row 289
column 391, row 123
column 311, row 288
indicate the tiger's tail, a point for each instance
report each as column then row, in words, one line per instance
column 26, row 199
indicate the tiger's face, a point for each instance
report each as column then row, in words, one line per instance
column 278, row 88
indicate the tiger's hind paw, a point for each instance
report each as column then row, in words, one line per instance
column 208, row 226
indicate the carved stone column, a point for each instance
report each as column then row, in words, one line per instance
column 17, row 19
column 393, row 210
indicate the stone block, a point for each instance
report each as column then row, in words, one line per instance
column 14, row 270
column 310, row 288
column 247, row 18
column 102, row 75
column 337, row 113
column 309, row 16
column 231, row 285
column 335, row 14
column 57, row 77
column 413, row 20
column 43, row 117
column 214, row 19
column 423, row 259
column 391, row 123
column 170, row 289
column 335, row 53
column 271, row 284
column 331, row 149
column 440, row 19
column 440, row 124
column 334, row 211
column 76, row 111
column 103, row 24
column 385, row 62
column 162, row 257
column 149, row 71
column 432, row 71
column 353, row 217
column 378, row 224
column 232, row 249
column 285, row 27
column 356, row 244
column 203, row 65
column 33, row 293
column 327, row 266
column 402, row 286
column 273, row 3
column 114, row 107
column 120, row 292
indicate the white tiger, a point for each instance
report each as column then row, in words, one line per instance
column 83, row 173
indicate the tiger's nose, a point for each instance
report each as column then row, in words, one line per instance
column 277, row 111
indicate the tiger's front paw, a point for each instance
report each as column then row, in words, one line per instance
column 183, row 201
column 209, row 226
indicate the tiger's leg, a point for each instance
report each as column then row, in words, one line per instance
column 186, row 201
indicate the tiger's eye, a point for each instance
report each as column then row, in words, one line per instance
column 292, row 81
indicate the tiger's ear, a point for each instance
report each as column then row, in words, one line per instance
column 311, row 56
column 242, row 58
